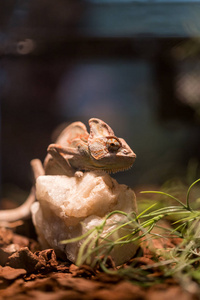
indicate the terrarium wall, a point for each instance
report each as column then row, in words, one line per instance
column 126, row 63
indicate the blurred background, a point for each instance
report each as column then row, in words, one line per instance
column 133, row 64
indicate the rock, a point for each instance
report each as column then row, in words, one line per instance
column 68, row 207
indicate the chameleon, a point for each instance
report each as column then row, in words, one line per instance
column 74, row 152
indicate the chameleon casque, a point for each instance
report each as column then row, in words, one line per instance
column 76, row 151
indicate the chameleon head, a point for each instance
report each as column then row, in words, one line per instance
column 108, row 152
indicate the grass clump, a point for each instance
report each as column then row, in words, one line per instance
column 180, row 260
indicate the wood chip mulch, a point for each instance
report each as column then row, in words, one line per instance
column 29, row 273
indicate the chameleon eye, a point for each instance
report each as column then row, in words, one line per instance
column 113, row 144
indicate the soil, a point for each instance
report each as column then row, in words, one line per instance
column 26, row 272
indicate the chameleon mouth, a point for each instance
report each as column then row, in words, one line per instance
column 117, row 170
column 124, row 167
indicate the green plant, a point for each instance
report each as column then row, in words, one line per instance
column 181, row 261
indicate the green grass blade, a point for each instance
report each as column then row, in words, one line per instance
column 165, row 194
column 188, row 193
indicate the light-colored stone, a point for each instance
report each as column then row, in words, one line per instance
column 68, row 207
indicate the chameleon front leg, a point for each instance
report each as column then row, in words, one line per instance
column 63, row 156
column 24, row 210
column 56, row 152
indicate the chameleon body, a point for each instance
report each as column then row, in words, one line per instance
column 76, row 151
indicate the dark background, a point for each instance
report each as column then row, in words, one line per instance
column 133, row 64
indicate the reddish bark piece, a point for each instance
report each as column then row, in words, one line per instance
column 6, row 236
column 22, row 241
column 170, row 293
column 6, row 251
column 25, row 259
column 46, row 278
column 58, row 295
column 33, row 276
column 47, row 284
column 84, row 271
column 123, row 290
column 81, row 285
column 141, row 261
column 17, row 287
column 108, row 278
column 63, row 267
column 49, row 256
column 126, row 290
column 11, row 273
column 73, row 269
